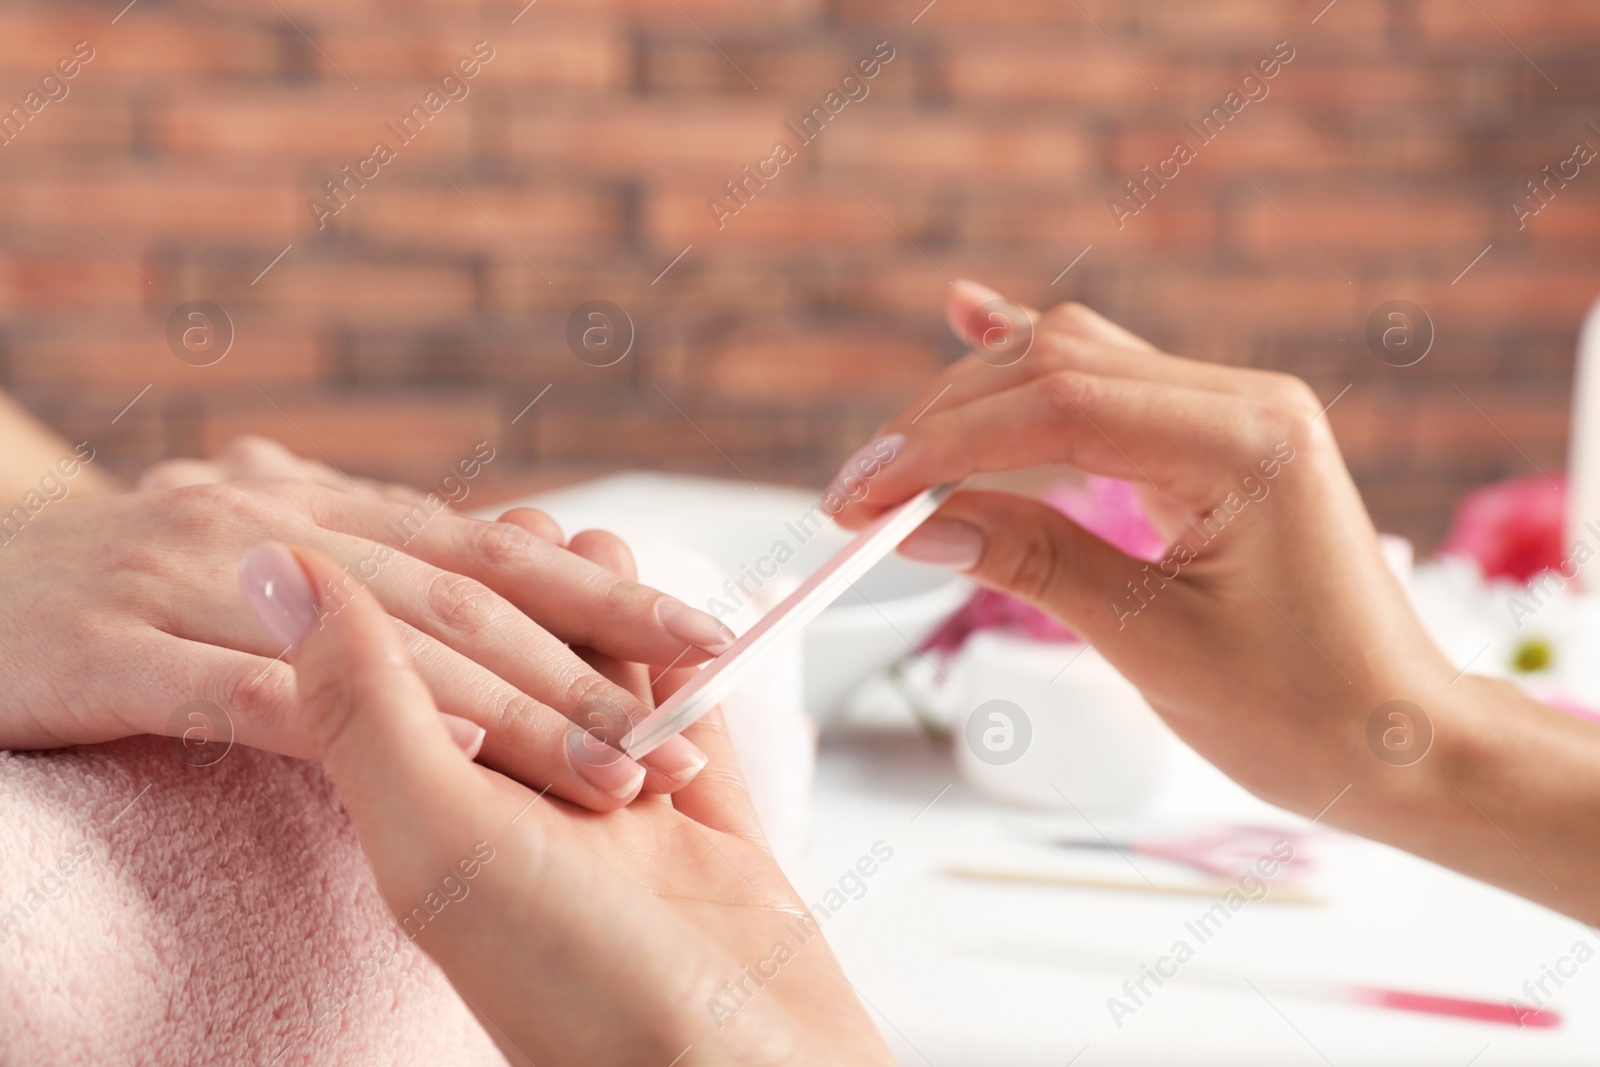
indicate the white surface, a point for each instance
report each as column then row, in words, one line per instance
column 1094, row 741
column 1390, row 920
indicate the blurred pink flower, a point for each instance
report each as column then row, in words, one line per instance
column 1514, row 529
column 1108, row 508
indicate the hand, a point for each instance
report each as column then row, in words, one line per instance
column 251, row 458
column 578, row 938
column 1271, row 633
column 122, row 610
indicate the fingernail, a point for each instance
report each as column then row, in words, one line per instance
column 693, row 626
column 278, row 592
column 603, row 766
column 678, row 758
column 945, row 543
column 467, row 734
column 974, row 291
column 865, row 464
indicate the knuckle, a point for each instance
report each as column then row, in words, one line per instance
column 460, row 604
column 503, row 544
column 264, row 698
column 250, row 450
column 207, row 508
column 518, row 715
column 1035, row 571
column 1070, row 317
column 1070, row 391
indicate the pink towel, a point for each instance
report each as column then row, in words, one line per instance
column 153, row 912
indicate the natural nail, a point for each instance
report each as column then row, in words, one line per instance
column 945, row 543
column 278, row 592
column 693, row 626
column 467, row 734
column 603, row 766
column 678, row 758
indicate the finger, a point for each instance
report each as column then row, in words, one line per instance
column 259, row 457
column 539, row 524
column 719, row 798
column 415, row 798
column 238, row 698
column 177, row 473
column 1181, row 441
column 607, row 550
column 983, row 318
column 1027, row 549
column 579, row 602
column 676, row 762
column 467, row 618
column 526, row 739
column 364, row 704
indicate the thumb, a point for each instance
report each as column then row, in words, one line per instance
column 370, row 718
column 1028, row 549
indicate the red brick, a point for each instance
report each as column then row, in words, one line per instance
column 1527, row 22
column 155, row 204
column 1373, row 224
column 1002, row 68
column 916, row 143
column 33, row 284
column 417, row 440
column 1115, row 17
column 329, row 126
column 151, row 47
column 799, row 69
column 359, row 291
column 787, row 364
column 535, row 218
column 791, row 213
column 651, row 139
column 132, row 352
column 564, row 51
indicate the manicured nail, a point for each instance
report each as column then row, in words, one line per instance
column 966, row 297
column 467, row 734
column 693, row 626
column 678, row 758
column 603, row 766
column 870, row 457
column 278, row 592
column 945, row 543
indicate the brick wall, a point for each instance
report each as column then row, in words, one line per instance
column 428, row 313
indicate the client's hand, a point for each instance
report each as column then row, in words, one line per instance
column 120, row 611
column 251, row 458
column 624, row 938
column 1270, row 635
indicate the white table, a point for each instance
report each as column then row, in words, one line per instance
column 1390, row 919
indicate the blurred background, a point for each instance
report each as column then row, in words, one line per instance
column 1383, row 165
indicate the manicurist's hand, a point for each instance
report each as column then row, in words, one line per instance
column 120, row 611
column 1271, row 634
column 579, row 938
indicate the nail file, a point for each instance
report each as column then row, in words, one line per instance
column 722, row 675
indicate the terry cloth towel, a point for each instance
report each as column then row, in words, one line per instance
column 155, row 912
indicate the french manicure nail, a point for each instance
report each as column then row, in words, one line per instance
column 603, row 766
column 693, row 626
column 467, row 734
column 865, row 463
column 278, row 592
column 945, row 543
column 678, row 758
